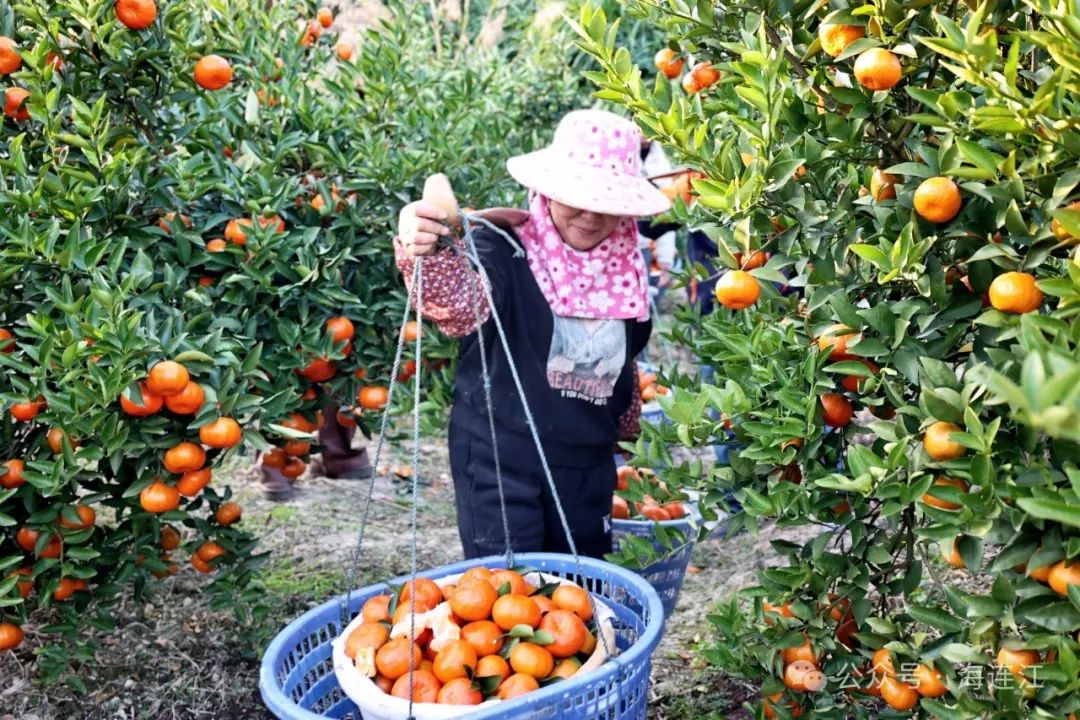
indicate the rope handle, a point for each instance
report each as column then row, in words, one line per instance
column 470, row 252
column 437, row 191
column 485, row 373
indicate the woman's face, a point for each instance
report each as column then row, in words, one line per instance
column 581, row 229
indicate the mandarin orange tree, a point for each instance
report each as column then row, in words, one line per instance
column 447, row 93
column 196, row 256
column 901, row 384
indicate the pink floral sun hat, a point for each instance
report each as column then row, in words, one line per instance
column 593, row 163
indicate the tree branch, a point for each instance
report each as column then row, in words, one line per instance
column 930, row 77
column 798, row 67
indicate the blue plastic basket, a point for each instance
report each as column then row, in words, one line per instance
column 297, row 679
column 654, row 416
column 665, row 575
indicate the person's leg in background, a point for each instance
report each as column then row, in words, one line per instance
column 647, row 233
column 476, row 495
column 275, row 485
column 339, row 459
column 646, row 257
column 702, row 251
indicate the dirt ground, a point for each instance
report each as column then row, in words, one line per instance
column 178, row 658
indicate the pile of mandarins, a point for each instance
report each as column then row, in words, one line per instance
column 649, row 508
column 490, row 634
column 649, row 388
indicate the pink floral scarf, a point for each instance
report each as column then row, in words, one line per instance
column 605, row 283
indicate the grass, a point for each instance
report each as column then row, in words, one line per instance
column 707, row 695
column 286, row 580
column 282, row 513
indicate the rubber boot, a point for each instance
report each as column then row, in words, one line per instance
column 339, row 459
column 275, row 485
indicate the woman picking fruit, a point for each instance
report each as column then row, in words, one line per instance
column 576, row 313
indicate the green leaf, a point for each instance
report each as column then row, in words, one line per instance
column 1070, row 219
column 755, row 97
column 962, row 653
column 861, row 484
column 1054, row 510
column 1051, row 613
column 980, row 156
column 939, row 374
column 871, row 254
column 489, row 684
column 849, row 367
column 623, row 63
column 1000, row 125
column 972, row 173
column 929, row 98
column 1003, row 591
column 928, row 119
column 542, row 637
column 936, row 618
column 910, row 168
column 194, row 356
column 943, row 404
column 782, row 171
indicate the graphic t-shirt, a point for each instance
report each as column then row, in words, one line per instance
column 586, row 358
column 578, row 374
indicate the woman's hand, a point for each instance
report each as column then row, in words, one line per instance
column 420, row 228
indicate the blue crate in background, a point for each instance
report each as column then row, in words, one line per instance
column 665, row 575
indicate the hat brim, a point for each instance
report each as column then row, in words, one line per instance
column 587, row 187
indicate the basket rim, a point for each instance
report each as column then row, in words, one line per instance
column 691, row 519
column 276, row 701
